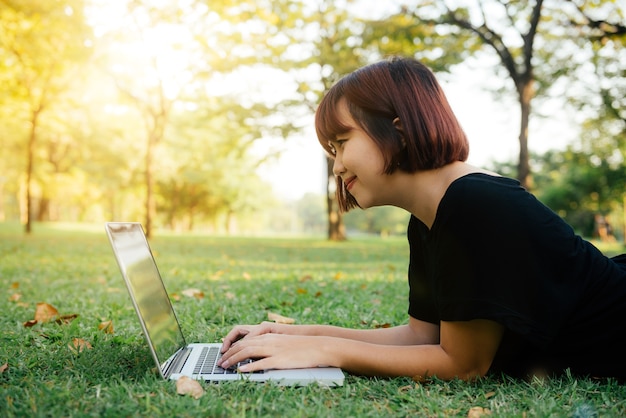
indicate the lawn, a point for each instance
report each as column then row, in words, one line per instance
column 82, row 367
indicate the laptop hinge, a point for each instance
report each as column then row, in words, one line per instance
column 177, row 362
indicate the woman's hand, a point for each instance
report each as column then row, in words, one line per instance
column 243, row 331
column 272, row 350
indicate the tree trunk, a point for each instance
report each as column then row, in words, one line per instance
column 624, row 223
column 30, row 156
column 336, row 227
column 2, row 213
column 526, row 94
column 150, row 204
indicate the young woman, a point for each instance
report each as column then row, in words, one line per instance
column 497, row 281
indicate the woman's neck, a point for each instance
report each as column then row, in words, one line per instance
column 423, row 190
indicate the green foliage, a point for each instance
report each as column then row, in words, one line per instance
column 360, row 283
column 117, row 100
column 385, row 220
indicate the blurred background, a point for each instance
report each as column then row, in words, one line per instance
column 197, row 115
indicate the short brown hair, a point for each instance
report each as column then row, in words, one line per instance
column 377, row 94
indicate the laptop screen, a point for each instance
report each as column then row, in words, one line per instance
column 146, row 289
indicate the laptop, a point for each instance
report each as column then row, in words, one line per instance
column 173, row 356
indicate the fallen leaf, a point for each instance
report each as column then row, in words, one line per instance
column 78, row 345
column 30, row 323
column 306, row 278
column 106, row 326
column 490, row 395
column 230, row 295
column 338, row 276
column 279, row 319
column 301, row 291
column 193, row 293
column 405, row 389
column 45, row 312
column 15, row 297
column 420, row 379
column 15, row 285
column 4, row 367
column 477, row 412
column 66, row 319
column 246, row 276
column 188, row 386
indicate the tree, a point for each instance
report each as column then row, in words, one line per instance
column 510, row 29
column 167, row 63
column 330, row 34
column 316, row 43
column 41, row 44
column 531, row 40
column 598, row 31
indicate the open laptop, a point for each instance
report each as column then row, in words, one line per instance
column 173, row 356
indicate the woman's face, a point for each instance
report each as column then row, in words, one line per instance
column 359, row 163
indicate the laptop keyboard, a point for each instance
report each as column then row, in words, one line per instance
column 207, row 363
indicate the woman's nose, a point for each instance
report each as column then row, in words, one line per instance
column 338, row 167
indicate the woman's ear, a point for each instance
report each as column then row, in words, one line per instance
column 398, row 125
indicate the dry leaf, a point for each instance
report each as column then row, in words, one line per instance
column 15, row 285
column 45, row 312
column 230, row 295
column 338, row 276
column 306, row 278
column 66, row 319
column 188, row 386
column 478, row 411
column 193, row 293
column 30, row 323
column 15, row 297
column 406, row 388
column 279, row 319
column 490, row 395
column 78, row 345
column 301, row 291
column 106, row 326
column 4, row 367
column 246, row 275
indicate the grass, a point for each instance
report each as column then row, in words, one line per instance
column 360, row 283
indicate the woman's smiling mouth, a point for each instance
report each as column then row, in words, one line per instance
column 350, row 182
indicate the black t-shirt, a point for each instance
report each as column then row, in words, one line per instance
column 495, row 252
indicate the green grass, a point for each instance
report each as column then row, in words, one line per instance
column 360, row 283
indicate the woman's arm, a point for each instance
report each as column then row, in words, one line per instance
column 465, row 350
column 416, row 332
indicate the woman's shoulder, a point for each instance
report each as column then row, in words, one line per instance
column 485, row 189
column 479, row 201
